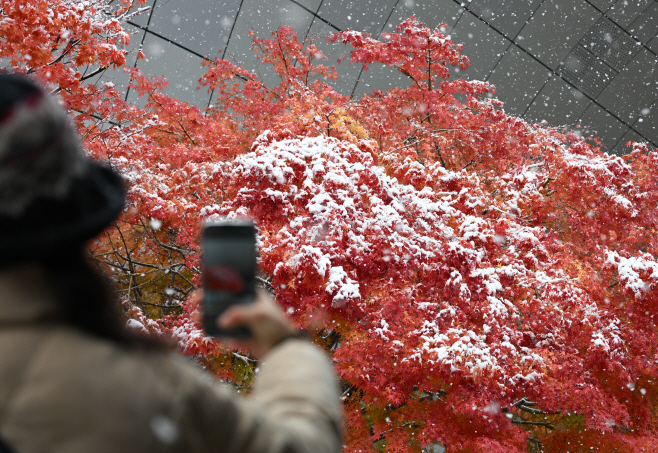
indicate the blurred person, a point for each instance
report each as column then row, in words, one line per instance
column 73, row 378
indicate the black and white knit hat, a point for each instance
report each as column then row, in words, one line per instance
column 52, row 197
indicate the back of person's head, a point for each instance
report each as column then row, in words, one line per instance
column 53, row 200
column 52, row 197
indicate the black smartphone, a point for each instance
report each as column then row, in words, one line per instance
column 229, row 272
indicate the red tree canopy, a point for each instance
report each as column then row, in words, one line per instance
column 482, row 283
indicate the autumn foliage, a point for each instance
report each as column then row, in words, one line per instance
column 482, row 283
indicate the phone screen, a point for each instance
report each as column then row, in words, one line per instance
column 229, row 272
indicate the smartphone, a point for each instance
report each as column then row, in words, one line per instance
column 229, row 272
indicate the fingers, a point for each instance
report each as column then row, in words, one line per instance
column 239, row 315
column 196, row 300
column 233, row 317
column 196, row 297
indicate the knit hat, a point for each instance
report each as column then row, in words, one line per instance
column 52, row 197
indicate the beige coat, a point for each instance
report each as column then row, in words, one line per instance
column 64, row 391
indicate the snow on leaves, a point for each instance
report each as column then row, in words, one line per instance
column 462, row 294
column 477, row 276
column 637, row 274
column 65, row 42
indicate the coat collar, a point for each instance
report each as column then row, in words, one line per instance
column 25, row 295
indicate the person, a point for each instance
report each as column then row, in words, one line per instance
column 72, row 377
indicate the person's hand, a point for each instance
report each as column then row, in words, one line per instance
column 267, row 322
